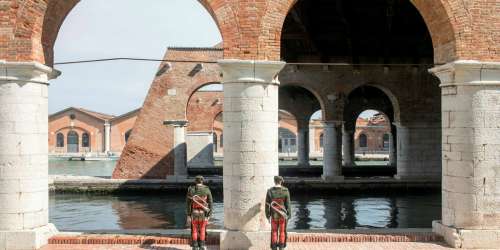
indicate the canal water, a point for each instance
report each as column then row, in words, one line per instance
column 92, row 212
column 83, row 212
column 58, row 166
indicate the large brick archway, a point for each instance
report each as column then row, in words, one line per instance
column 449, row 22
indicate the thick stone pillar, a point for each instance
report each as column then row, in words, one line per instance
column 392, row 149
column 107, row 137
column 348, row 147
column 332, row 150
column 418, row 151
column 180, row 150
column 24, row 216
column 471, row 154
column 250, row 149
column 303, row 143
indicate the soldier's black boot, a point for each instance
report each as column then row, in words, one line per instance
column 281, row 246
column 202, row 245
column 274, row 246
column 194, row 245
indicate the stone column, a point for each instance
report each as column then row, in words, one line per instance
column 107, row 137
column 312, row 143
column 180, row 150
column 250, row 149
column 418, row 151
column 348, row 147
column 24, row 217
column 392, row 149
column 332, row 151
column 303, row 143
column 471, row 154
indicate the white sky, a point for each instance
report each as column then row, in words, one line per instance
column 122, row 28
column 366, row 114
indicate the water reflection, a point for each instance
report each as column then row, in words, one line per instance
column 73, row 212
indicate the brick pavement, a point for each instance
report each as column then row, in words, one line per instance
column 292, row 246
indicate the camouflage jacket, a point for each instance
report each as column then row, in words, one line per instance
column 280, row 195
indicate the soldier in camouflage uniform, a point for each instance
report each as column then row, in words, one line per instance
column 199, row 209
column 279, row 211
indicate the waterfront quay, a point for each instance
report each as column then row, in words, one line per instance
column 85, row 184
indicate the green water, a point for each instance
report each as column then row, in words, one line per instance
column 59, row 166
column 81, row 168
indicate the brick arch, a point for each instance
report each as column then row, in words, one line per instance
column 311, row 90
column 389, row 94
column 204, row 112
column 194, row 88
column 57, row 11
column 440, row 16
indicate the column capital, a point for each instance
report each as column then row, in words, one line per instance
column 235, row 70
column 27, row 72
column 176, row 123
column 468, row 72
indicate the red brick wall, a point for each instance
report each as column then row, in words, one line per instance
column 252, row 29
column 203, row 107
column 148, row 153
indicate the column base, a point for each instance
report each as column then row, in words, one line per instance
column 468, row 238
column 335, row 178
column 245, row 240
column 27, row 240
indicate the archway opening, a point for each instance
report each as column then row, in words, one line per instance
column 372, row 138
column 205, row 126
column 75, row 31
column 361, row 55
column 301, row 103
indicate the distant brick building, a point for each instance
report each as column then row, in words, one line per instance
column 80, row 131
column 77, row 130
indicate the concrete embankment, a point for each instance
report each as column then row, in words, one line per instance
column 83, row 184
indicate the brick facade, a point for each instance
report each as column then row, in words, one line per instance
column 251, row 30
column 92, row 123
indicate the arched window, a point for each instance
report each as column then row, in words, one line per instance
column 363, row 141
column 321, row 140
column 386, row 141
column 127, row 135
column 214, row 135
column 221, row 140
column 73, row 140
column 59, row 140
column 85, row 140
